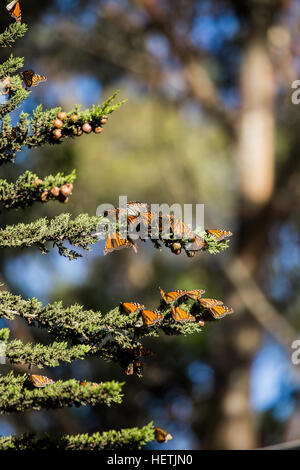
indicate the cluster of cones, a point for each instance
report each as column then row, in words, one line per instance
column 62, row 193
column 78, row 127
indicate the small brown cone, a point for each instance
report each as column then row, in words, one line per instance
column 87, row 128
column 57, row 134
column 55, row 191
column 37, row 182
column 62, row 115
column 104, row 120
column 66, row 189
column 74, row 118
column 58, row 123
column 45, row 196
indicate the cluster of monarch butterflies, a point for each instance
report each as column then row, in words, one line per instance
column 150, row 317
column 30, row 78
column 138, row 216
column 41, row 381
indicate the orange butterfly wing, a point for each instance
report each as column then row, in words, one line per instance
column 172, row 296
column 219, row 234
column 220, row 311
column 36, row 79
column 31, row 78
column 131, row 307
column 195, row 294
column 40, row 380
column 181, row 315
column 209, row 303
column 15, row 10
column 115, row 242
column 180, row 229
column 163, row 294
column 161, row 435
column 196, row 244
column 129, row 369
column 150, row 318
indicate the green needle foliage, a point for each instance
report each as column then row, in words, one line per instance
column 12, row 33
column 41, row 356
column 76, row 333
column 125, row 439
column 29, row 188
column 16, row 394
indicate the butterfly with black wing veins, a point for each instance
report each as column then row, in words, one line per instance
column 40, row 381
column 215, row 307
column 114, row 241
column 181, row 315
column 174, row 295
column 14, row 10
column 150, row 318
column 131, row 307
column 31, row 78
column 219, row 234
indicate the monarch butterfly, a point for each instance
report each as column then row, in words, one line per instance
column 15, row 10
column 196, row 244
column 129, row 369
column 115, row 242
column 150, row 318
column 113, row 216
column 181, row 315
column 40, row 381
column 209, row 303
column 180, row 229
column 135, row 208
column 219, row 234
column 194, row 294
column 131, row 307
column 143, row 218
column 31, row 78
column 220, row 311
column 141, row 351
column 161, row 435
column 172, row 296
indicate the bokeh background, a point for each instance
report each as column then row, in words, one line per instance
column 209, row 119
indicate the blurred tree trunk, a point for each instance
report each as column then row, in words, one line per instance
column 255, row 149
column 234, row 426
